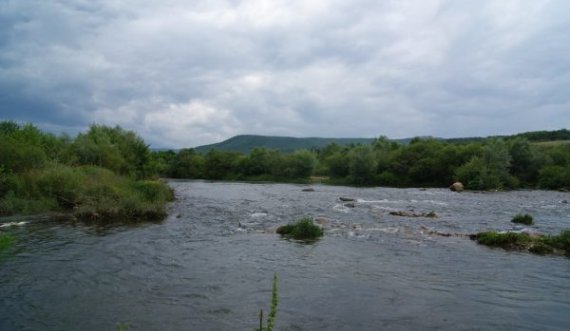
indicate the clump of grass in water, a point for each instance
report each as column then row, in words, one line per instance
column 303, row 229
column 522, row 241
column 273, row 310
column 525, row 219
column 122, row 326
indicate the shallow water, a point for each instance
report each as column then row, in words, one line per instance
column 209, row 265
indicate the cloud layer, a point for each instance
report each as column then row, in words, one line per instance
column 189, row 73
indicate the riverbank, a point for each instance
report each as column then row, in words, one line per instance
column 86, row 193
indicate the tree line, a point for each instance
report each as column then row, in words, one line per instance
column 488, row 164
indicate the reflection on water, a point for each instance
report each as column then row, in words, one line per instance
column 209, row 265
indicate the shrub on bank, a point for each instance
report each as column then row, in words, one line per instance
column 525, row 219
column 303, row 229
column 88, row 192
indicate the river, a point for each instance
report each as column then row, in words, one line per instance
column 210, row 264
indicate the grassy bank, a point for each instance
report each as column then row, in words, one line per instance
column 86, row 192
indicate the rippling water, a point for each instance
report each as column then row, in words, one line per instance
column 209, row 265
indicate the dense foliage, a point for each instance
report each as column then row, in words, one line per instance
column 101, row 174
column 490, row 164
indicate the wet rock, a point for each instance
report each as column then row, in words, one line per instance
column 357, row 227
column 404, row 213
column 445, row 234
column 346, row 199
column 310, row 189
column 564, row 201
column 456, row 187
column 322, row 221
column 350, row 205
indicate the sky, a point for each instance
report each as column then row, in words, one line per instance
column 186, row 73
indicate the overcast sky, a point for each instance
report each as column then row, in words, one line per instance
column 186, row 73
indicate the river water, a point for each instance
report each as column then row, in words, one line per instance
column 209, row 265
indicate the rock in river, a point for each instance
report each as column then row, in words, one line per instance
column 456, row 187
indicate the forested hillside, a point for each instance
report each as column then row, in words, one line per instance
column 246, row 143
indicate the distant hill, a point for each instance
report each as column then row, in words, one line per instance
column 245, row 143
column 532, row 136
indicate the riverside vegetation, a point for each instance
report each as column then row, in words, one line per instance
column 523, row 241
column 104, row 174
column 530, row 160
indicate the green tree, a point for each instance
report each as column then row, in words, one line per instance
column 187, row 164
column 554, row 177
column 113, row 148
column 337, row 164
column 221, row 164
column 362, row 165
column 303, row 163
column 490, row 170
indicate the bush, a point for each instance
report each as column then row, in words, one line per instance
column 90, row 193
column 303, row 229
column 525, row 219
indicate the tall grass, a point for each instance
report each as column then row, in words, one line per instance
column 87, row 192
column 272, row 311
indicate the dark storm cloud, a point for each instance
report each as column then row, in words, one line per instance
column 188, row 73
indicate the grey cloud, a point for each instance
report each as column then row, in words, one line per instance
column 212, row 69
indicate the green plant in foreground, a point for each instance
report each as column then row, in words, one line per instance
column 6, row 241
column 122, row 326
column 273, row 310
column 525, row 219
column 303, row 229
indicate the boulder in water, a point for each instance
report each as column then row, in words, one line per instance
column 310, row 189
column 322, row 221
column 456, row 187
column 346, row 199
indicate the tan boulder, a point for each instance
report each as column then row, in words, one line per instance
column 456, row 187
